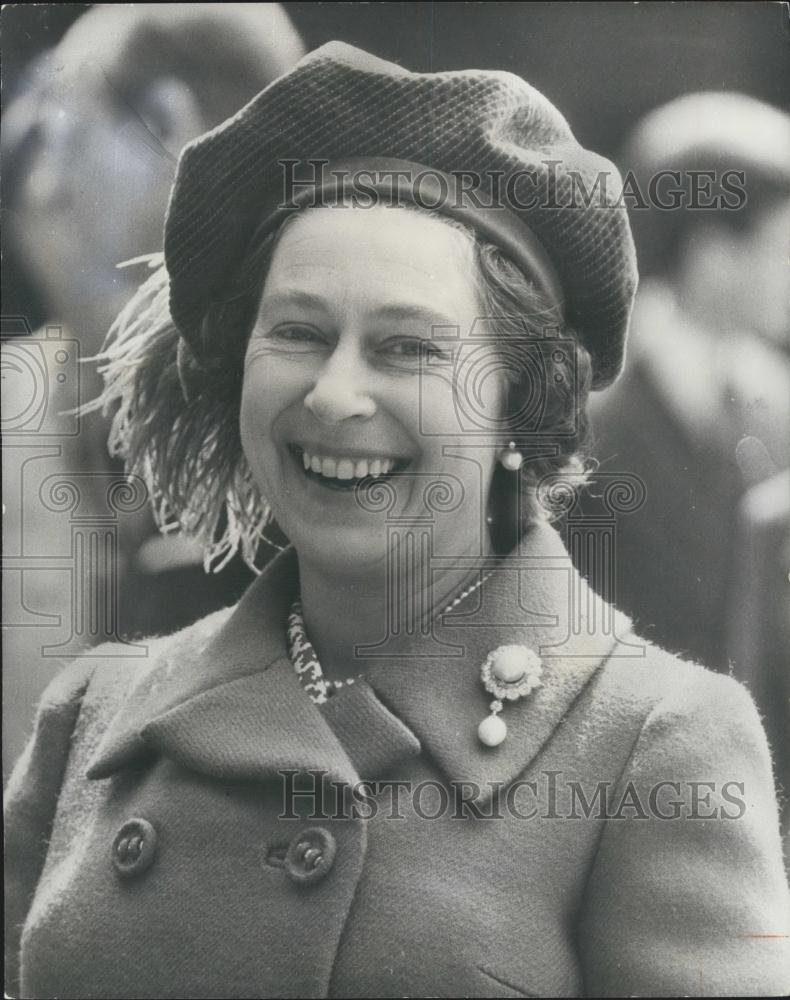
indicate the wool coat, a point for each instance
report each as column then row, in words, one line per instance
column 622, row 840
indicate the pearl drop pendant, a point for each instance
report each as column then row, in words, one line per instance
column 493, row 729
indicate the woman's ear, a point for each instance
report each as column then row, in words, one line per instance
column 171, row 113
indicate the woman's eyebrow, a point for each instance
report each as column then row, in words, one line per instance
column 395, row 312
column 295, row 297
column 422, row 314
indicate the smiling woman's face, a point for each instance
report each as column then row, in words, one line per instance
column 345, row 380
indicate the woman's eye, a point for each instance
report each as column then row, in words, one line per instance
column 412, row 347
column 296, row 335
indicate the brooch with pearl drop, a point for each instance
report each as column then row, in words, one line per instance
column 508, row 673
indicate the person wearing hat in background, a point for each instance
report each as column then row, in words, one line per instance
column 388, row 354
column 702, row 414
column 90, row 142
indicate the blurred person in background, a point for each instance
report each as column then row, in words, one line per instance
column 702, row 414
column 90, row 144
column 95, row 132
column 759, row 629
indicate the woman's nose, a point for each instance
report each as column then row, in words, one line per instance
column 339, row 393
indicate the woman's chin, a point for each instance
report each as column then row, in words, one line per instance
column 344, row 550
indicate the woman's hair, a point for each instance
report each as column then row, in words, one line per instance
column 177, row 425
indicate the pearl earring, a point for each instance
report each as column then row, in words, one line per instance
column 511, row 459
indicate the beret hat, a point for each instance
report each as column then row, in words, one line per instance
column 340, row 103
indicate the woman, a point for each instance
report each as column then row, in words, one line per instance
column 420, row 757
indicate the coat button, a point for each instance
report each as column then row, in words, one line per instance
column 134, row 848
column 310, row 855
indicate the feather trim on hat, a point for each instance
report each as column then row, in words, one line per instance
column 184, row 444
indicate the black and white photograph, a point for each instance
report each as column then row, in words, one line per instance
column 396, row 499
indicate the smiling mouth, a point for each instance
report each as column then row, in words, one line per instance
column 345, row 474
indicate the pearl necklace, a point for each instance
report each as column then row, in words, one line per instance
column 305, row 661
column 465, row 593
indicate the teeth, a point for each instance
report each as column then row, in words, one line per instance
column 346, row 468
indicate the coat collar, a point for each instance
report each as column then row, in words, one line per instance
column 232, row 706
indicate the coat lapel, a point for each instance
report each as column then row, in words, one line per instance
column 230, row 705
column 534, row 599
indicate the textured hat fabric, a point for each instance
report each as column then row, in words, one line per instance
column 340, row 103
